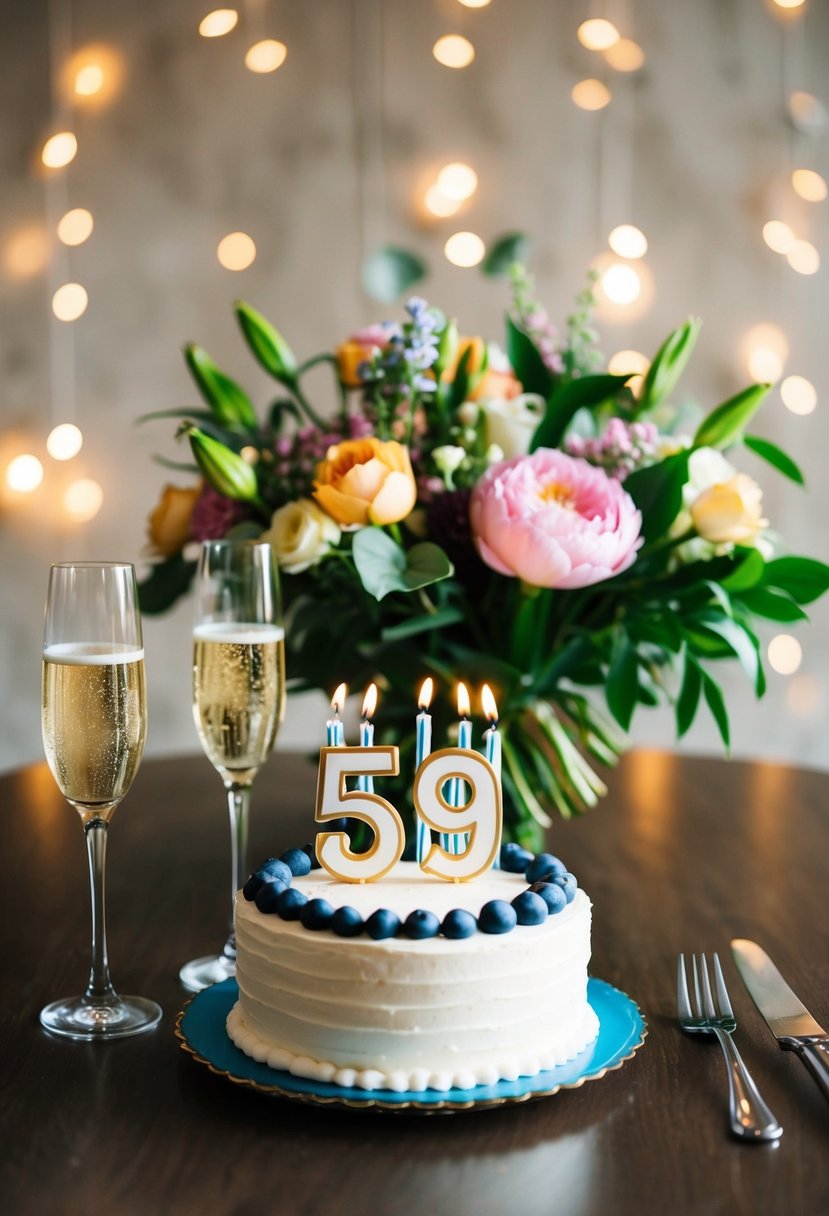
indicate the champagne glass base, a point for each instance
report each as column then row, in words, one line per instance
column 85, row 1018
column 202, row 972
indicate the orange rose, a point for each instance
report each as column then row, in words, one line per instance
column 365, row 481
column 168, row 528
column 496, row 386
column 349, row 357
column 491, row 383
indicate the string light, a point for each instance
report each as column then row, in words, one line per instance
column 799, row 395
column 474, row 3
column 437, row 202
column 778, row 236
column 59, row 150
column 766, row 349
column 92, row 76
column 75, row 226
column 69, row 302
column 625, row 55
column 64, row 442
column 464, row 249
column 457, row 181
column 83, row 499
column 809, row 185
column 236, row 251
column 26, row 252
column 454, row 51
column 785, row 654
column 266, row 56
column 218, row 23
column 89, row 80
column 24, row 474
column 789, row 4
column 621, row 284
column 590, row 94
column 597, row 34
column 803, row 257
column 628, row 241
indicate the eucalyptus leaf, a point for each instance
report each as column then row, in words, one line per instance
column 384, row 566
column 389, row 272
column 504, row 251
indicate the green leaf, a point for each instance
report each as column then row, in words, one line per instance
column 526, row 361
column 775, row 456
column 229, row 404
column 460, row 384
column 668, row 365
column 165, row 583
column 422, row 624
column 267, row 345
column 505, row 250
column 384, row 566
column 805, row 578
column 390, row 271
column 773, row 604
column 689, row 694
column 716, row 703
column 726, row 423
column 622, row 688
column 738, row 641
column 748, row 574
column 584, row 393
column 657, row 492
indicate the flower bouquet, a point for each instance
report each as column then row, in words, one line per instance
column 517, row 516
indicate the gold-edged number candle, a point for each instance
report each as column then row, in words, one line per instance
column 422, row 749
column 480, row 818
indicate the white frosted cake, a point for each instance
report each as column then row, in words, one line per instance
column 418, row 1009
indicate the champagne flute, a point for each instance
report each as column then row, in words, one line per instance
column 94, row 719
column 238, row 696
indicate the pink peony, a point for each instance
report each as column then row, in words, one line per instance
column 554, row 521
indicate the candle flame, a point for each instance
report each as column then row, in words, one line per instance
column 425, row 698
column 370, row 702
column 488, row 702
column 463, row 701
column 338, row 699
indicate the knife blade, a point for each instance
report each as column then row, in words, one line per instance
column 788, row 1018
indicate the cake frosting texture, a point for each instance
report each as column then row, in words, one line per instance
column 413, row 1014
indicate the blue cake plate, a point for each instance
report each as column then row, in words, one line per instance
column 201, row 1028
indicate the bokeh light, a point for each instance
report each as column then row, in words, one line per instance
column 266, row 56
column 83, row 499
column 621, row 284
column 24, row 473
column 597, row 34
column 474, row 3
column 92, row 76
column 26, row 252
column 785, row 654
column 778, row 236
column 236, row 251
column 64, row 442
column 804, row 695
column 218, row 23
column 75, row 226
column 807, row 112
column 590, row 94
column 69, row 302
column 803, row 257
column 59, row 150
column 464, row 249
column 799, row 395
column 437, row 202
column 628, row 241
column 625, row 55
column 457, row 181
column 809, row 185
column 626, row 361
column 765, row 348
column 454, row 51
column 89, row 80
column 789, row 4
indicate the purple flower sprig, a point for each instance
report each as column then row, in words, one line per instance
column 621, row 447
column 534, row 319
column 396, row 377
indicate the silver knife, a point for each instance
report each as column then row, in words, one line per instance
column 789, row 1020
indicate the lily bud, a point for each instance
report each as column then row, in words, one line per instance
column 226, row 471
column 668, row 364
column 229, row 404
column 267, row 344
column 447, row 348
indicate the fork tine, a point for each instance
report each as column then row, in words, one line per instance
column 722, row 991
column 710, row 1011
column 683, row 1002
column 697, row 1001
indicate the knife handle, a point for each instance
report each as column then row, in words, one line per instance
column 815, row 1055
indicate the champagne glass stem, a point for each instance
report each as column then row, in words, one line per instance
column 238, row 805
column 100, row 986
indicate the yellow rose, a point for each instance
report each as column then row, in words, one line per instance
column 730, row 511
column 300, row 534
column 168, row 527
column 365, row 481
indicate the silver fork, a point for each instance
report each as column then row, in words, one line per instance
column 749, row 1116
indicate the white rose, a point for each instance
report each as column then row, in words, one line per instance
column 300, row 534
column 511, row 424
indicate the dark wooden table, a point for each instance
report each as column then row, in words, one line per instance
column 683, row 855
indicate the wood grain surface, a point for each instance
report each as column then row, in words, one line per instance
column 683, row 855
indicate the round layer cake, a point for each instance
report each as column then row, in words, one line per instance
column 410, row 1015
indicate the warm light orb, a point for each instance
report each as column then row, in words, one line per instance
column 457, row 181
column 785, row 654
column 803, row 257
column 804, row 695
column 778, row 236
column 590, row 94
column 799, row 395
column 809, row 185
column 59, row 150
column 454, row 51
column 218, row 23
column 597, row 34
column 266, row 56
column 464, row 249
column 626, row 361
column 75, row 226
column 236, row 251
column 625, row 55
column 628, row 241
column 64, row 442
column 766, row 349
column 69, row 302
column 474, row 3
column 807, row 112
column 789, row 4
column 89, row 80
column 24, row 473
column 83, row 499
column 92, row 75
column 621, row 284
column 437, row 202
column 26, row 252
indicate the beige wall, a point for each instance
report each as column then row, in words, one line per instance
column 695, row 150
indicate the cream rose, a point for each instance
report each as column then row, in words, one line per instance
column 511, row 423
column 730, row 511
column 300, row 534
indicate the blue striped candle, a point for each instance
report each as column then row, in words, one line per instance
column 366, row 783
column 457, row 842
column 422, row 750
column 334, row 733
column 492, row 740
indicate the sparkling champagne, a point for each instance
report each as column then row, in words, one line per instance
column 238, row 694
column 94, row 720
